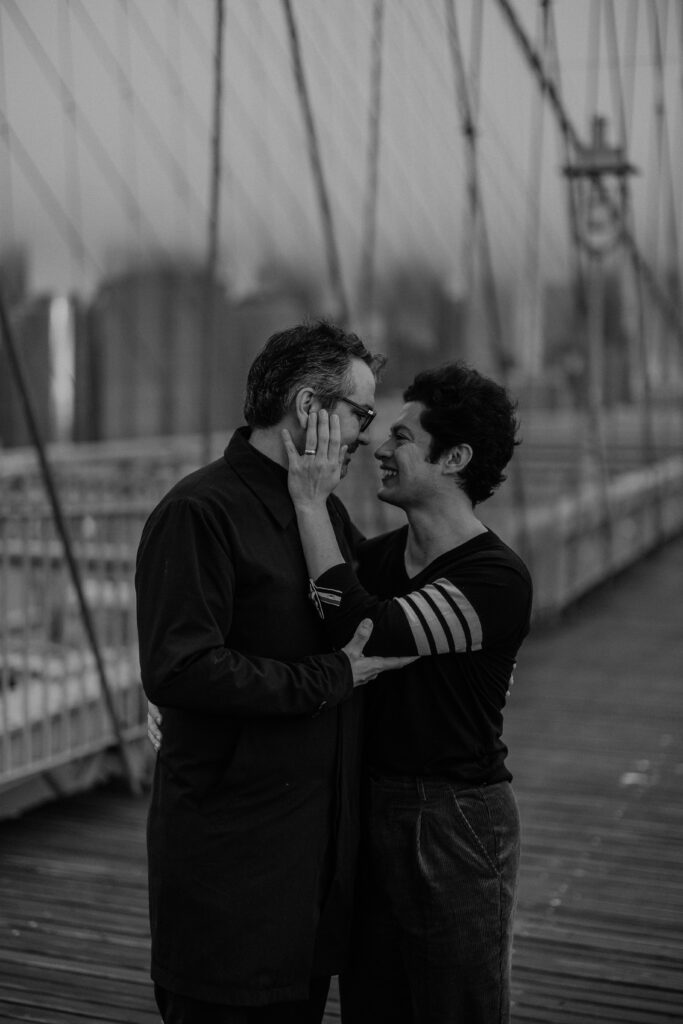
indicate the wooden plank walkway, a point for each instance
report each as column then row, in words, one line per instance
column 595, row 728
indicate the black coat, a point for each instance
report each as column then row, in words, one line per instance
column 253, row 818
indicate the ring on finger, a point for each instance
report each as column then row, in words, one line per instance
column 309, row 451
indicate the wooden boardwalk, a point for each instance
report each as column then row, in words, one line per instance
column 595, row 730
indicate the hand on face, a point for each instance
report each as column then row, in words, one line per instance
column 314, row 474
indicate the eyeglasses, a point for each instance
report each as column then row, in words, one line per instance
column 366, row 415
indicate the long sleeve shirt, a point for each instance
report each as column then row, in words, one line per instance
column 466, row 614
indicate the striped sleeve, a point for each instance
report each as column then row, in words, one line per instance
column 437, row 619
column 441, row 619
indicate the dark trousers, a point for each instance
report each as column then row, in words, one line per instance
column 433, row 936
column 178, row 1009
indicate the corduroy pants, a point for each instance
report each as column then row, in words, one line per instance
column 433, row 935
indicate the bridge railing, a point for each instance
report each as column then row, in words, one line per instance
column 52, row 711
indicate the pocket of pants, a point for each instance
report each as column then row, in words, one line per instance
column 474, row 825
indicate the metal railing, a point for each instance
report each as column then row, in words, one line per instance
column 52, row 709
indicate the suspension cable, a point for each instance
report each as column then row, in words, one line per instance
column 91, row 139
column 72, row 163
column 480, row 242
column 663, row 144
column 630, row 53
column 333, row 262
column 111, row 66
column 209, row 326
column 7, row 182
column 618, row 100
column 593, row 51
column 669, row 310
column 63, row 530
column 366, row 285
column 624, row 115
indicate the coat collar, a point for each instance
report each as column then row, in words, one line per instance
column 265, row 478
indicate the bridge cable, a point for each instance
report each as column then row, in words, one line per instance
column 111, row 65
column 7, row 184
column 533, row 328
column 192, row 32
column 71, row 153
column 466, row 103
column 94, row 144
column 71, row 231
column 17, row 371
column 212, row 228
column 594, row 27
column 366, row 284
column 669, row 311
column 664, row 147
column 60, row 217
column 333, row 262
column 624, row 106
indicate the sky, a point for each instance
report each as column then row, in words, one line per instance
column 105, row 137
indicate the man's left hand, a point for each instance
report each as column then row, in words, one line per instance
column 315, row 473
column 154, row 720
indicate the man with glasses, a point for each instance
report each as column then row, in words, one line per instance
column 365, row 416
column 252, row 827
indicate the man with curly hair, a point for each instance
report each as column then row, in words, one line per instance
column 433, row 938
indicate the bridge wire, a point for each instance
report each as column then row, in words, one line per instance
column 664, row 150
column 212, row 233
column 71, row 151
column 193, row 34
column 662, row 299
column 94, row 144
column 630, row 56
column 616, row 81
column 593, row 442
column 593, row 50
column 333, row 262
column 17, row 371
column 533, row 242
column 366, row 285
column 567, row 151
column 479, row 239
column 58, row 214
column 8, row 184
column 112, row 66
column 624, row 107
column 177, row 114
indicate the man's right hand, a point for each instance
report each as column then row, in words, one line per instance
column 365, row 669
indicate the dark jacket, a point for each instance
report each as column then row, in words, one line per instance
column 252, row 823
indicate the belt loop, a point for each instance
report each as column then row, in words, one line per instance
column 419, row 782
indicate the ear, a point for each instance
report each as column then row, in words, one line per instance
column 304, row 403
column 455, row 460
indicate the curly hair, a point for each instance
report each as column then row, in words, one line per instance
column 464, row 407
column 316, row 355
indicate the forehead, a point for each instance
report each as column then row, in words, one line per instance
column 362, row 383
column 409, row 418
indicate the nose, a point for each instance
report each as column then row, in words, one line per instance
column 383, row 451
column 364, row 437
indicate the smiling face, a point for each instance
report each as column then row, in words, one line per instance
column 407, row 475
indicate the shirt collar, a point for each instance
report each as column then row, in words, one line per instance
column 265, row 478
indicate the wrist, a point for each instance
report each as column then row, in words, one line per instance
column 311, row 505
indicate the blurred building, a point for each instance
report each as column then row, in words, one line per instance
column 144, row 368
column 43, row 360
